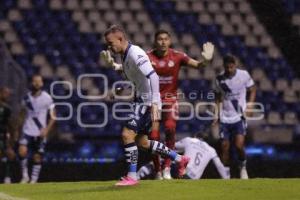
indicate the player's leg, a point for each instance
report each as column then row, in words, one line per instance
column 155, row 135
column 141, row 118
column 23, row 153
column 169, row 122
column 10, row 155
column 138, row 118
column 159, row 148
column 131, row 155
column 36, row 168
column 225, row 145
column 4, row 159
column 37, row 158
column 239, row 142
column 131, row 151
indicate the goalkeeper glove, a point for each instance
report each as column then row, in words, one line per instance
column 105, row 55
column 208, row 50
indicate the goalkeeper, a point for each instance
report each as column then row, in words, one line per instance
column 167, row 63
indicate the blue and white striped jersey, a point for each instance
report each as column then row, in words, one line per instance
column 138, row 69
column 234, row 90
column 37, row 110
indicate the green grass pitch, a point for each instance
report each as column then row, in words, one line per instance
column 256, row 189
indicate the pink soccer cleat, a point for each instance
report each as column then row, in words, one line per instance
column 182, row 165
column 127, row 181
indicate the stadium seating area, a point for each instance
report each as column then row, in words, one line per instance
column 62, row 39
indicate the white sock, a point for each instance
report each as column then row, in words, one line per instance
column 242, row 163
column 24, row 168
column 163, row 150
column 132, row 175
column 131, row 155
column 36, row 172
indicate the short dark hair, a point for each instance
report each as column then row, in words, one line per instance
column 35, row 75
column 229, row 59
column 201, row 135
column 114, row 29
column 161, row 31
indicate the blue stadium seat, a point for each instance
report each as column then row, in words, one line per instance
column 53, row 33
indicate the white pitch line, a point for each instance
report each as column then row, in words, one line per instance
column 4, row 196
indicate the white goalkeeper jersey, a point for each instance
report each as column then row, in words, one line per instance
column 138, row 69
column 36, row 112
column 233, row 90
column 199, row 152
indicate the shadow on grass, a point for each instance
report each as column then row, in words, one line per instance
column 110, row 188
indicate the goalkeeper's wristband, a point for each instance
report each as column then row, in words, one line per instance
column 117, row 66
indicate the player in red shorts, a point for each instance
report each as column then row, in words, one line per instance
column 167, row 62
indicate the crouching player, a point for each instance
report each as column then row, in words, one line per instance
column 200, row 154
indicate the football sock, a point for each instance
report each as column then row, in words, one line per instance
column 131, row 154
column 170, row 143
column 155, row 135
column 36, row 169
column 24, row 167
column 161, row 149
column 242, row 163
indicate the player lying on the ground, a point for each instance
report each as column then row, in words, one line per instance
column 137, row 68
column 232, row 86
column 167, row 63
column 36, row 105
column 7, row 154
column 200, row 154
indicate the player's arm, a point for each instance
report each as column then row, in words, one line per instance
column 51, row 121
column 218, row 102
column 195, row 63
column 223, row 171
column 251, row 88
column 10, row 129
column 146, row 68
column 251, row 100
column 21, row 119
column 109, row 60
column 252, row 94
column 154, row 84
column 207, row 53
